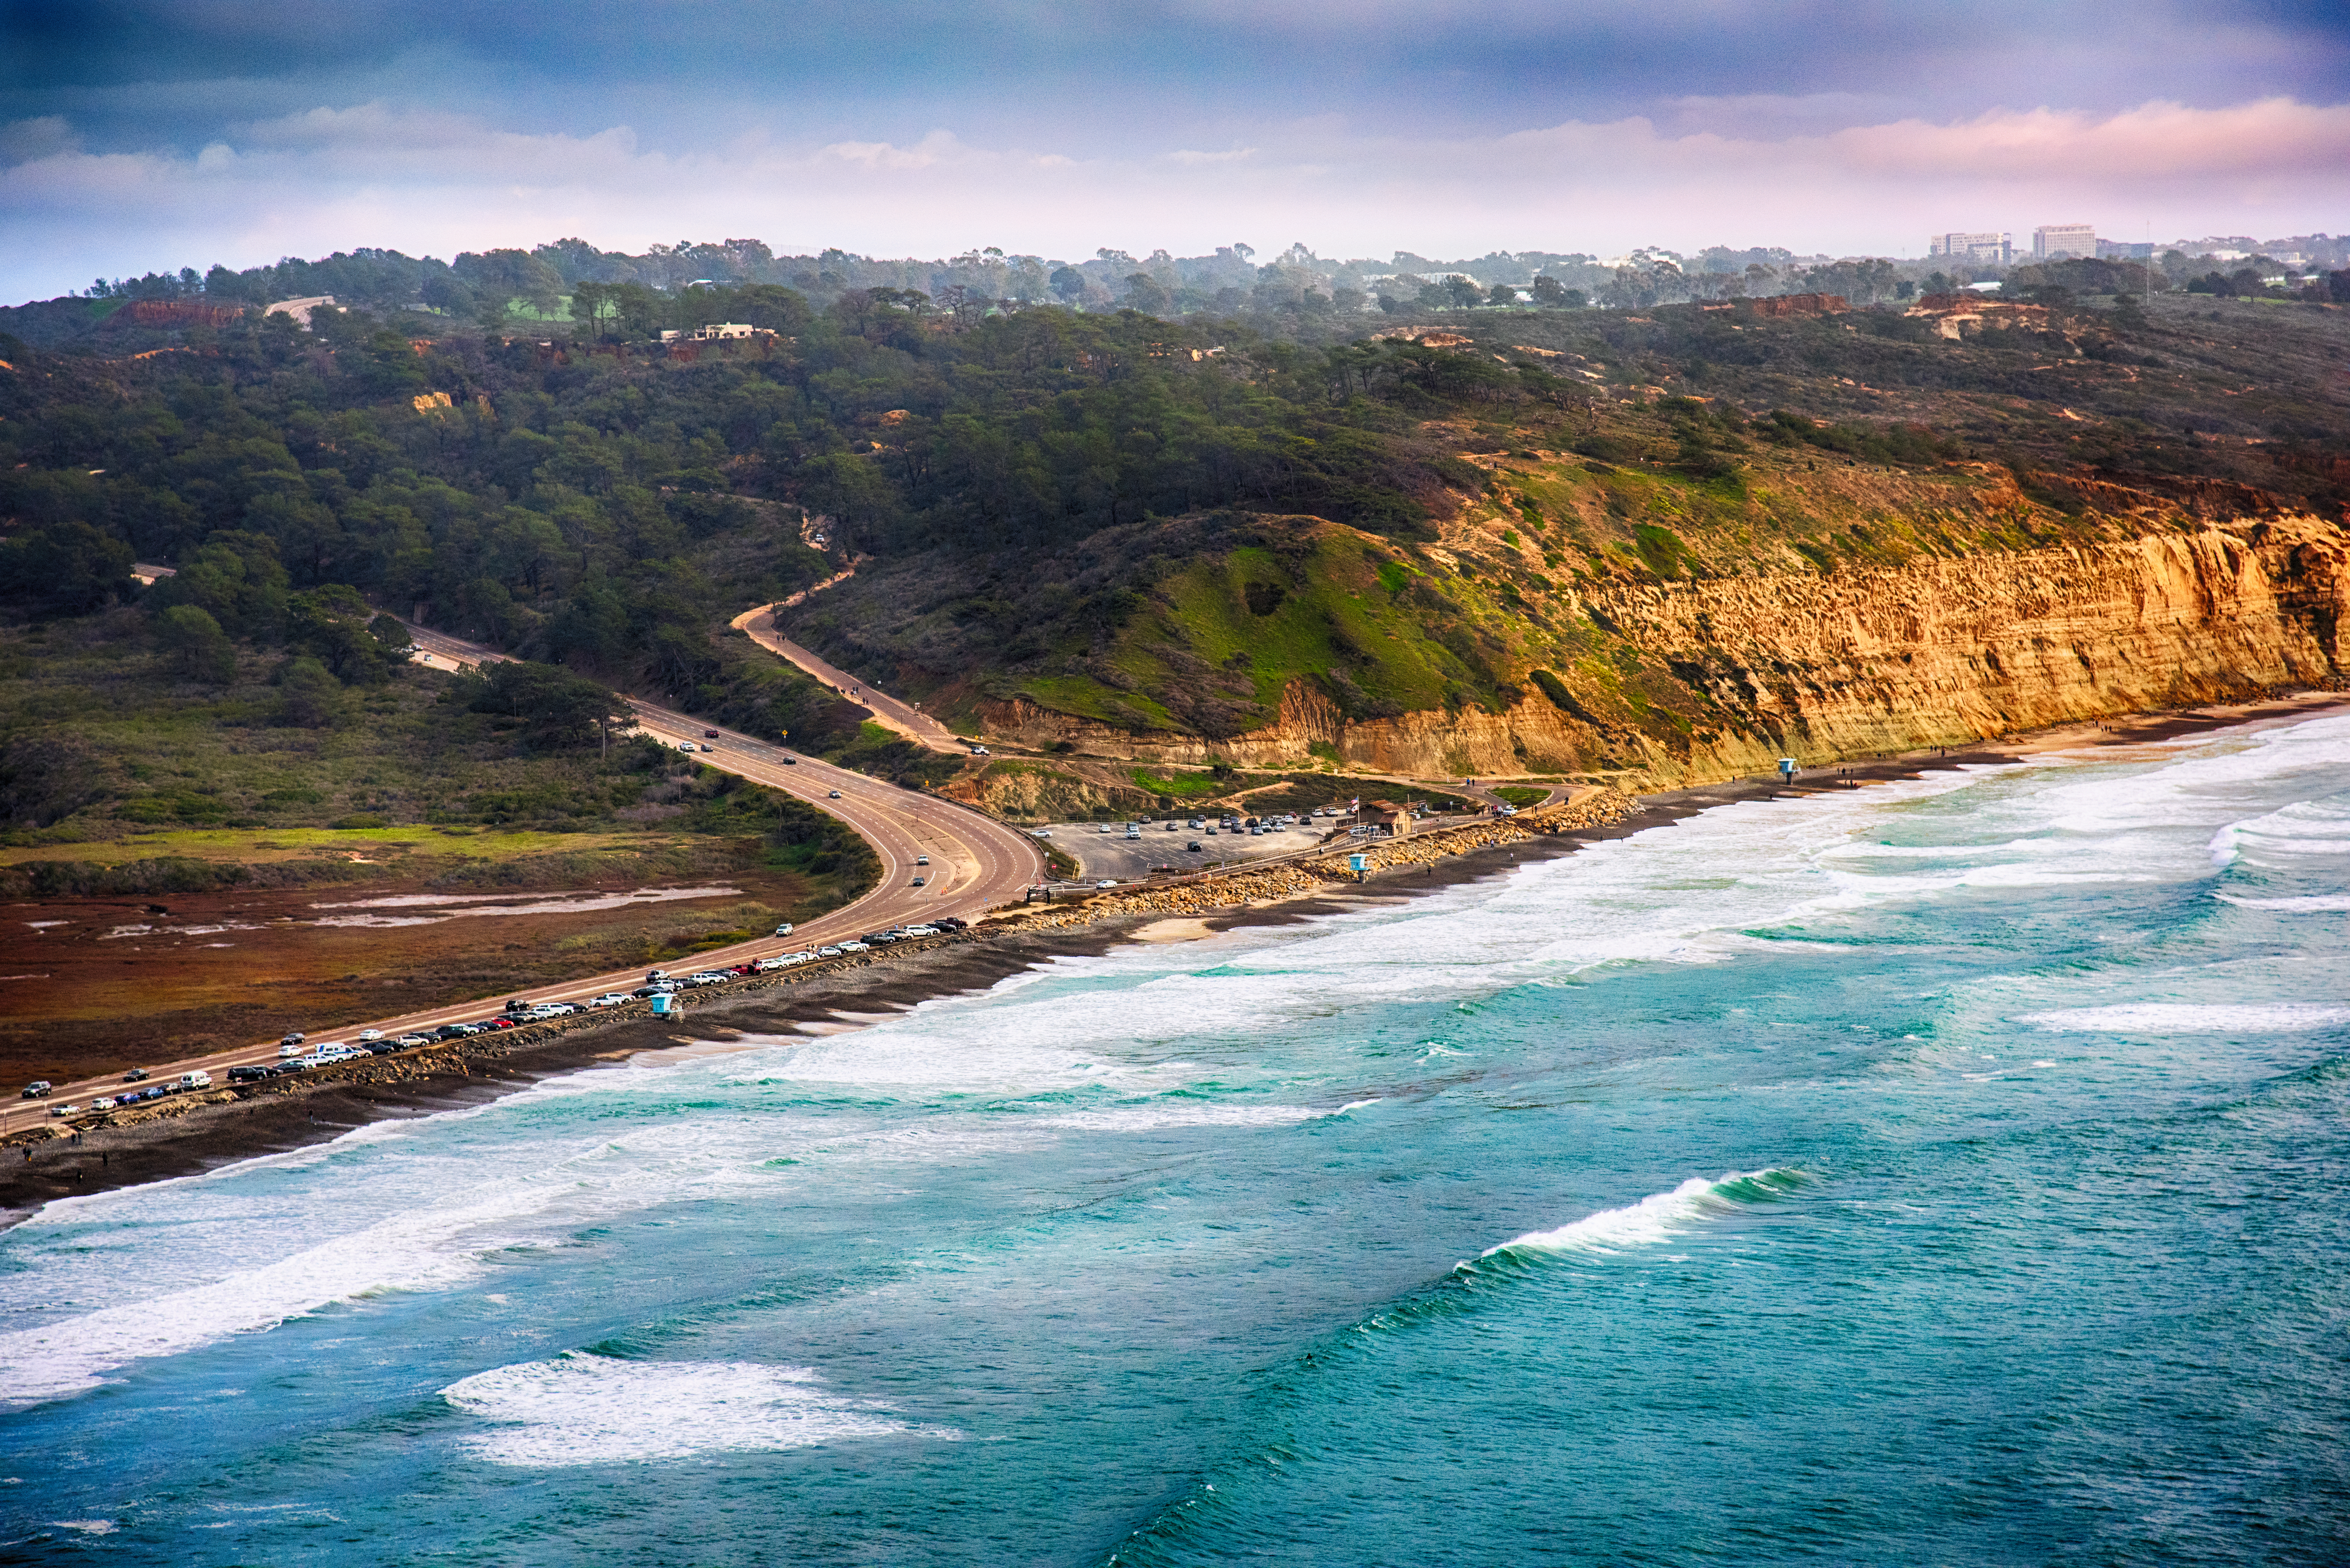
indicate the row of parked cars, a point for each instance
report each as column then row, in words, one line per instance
column 296, row 1055
column 40, row 1089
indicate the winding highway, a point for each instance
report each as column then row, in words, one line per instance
column 975, row 863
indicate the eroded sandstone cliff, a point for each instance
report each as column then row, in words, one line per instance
column 1941, row 651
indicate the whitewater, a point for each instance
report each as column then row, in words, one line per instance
column 1949, row 1170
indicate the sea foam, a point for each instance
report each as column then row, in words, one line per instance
column 1660, row 1216
column 2192, row 1018
column 584, row 1409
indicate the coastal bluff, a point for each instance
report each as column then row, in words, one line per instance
column 1937, row 650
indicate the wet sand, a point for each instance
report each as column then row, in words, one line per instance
column 292, row 1114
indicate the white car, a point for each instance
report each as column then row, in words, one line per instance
column 856, row 947
column 785, row 929
column 411, row 1040
column 827, row 953
column 65, row 1110
column 1040, row 833
column 103, row 1103
column 368, row 1035
column 765, row 964
column 612, row 999
column 1105, row 883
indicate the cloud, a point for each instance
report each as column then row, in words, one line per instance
column 428, row 180
column 48, row 136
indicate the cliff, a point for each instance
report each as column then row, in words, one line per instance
column 1718, row 677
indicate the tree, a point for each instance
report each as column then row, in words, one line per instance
column 1549, row 291
column 1462, row 293
column 1148, row 295
column 195, row 644
column 560, row 710
column 66, row 568
column 1502, row 294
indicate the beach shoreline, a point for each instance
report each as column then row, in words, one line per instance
column 295, row 1114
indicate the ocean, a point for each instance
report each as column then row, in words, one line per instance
column 1946, row 1171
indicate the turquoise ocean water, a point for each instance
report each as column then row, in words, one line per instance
column 1953, row 1172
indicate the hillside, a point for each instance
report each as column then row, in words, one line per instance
column 1650, row 545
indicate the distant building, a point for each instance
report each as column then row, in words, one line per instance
column 1988, row 246
column 2126, row 250
column 710, row 334
column 2050, row 242
column 1385, row 818
column 299, row 309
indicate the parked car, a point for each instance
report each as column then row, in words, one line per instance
column 68, row 1110
column 820, row 952
column 408, row 1042
column 248, row 1074
column 104, row 1103
column 855, row 947
column 1040, row 833
column 37, row 1089
column 136, row 1074
column 289, row 1047
column 1105, row 883
column 198, row 1079
column 765, row 964
column 951, row 923
column 611, row 999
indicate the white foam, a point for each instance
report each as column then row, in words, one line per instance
column 2316, row 903
column 2192, row 1018
column 585, row 1409
column 1656, row 1218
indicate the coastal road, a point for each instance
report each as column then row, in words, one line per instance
column 975, row 863
column 907, row 720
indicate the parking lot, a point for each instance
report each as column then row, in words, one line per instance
column 1114, row 855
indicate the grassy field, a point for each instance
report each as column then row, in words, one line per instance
column 1521, row 796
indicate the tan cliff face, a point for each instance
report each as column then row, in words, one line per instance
column 1939, row 651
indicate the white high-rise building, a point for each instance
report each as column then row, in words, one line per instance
column 1988, row 246
column 2050, row 240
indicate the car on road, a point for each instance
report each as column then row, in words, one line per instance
column 104, row 1103
column 790, row 761
column 687, row 746
column 37, row 1089
column 371, row 1035
column 917, row 881
column 827, row 953
column 68, row 1110
column 196, row 1080
column 135, row 1076
column 1040, row 833
column 410, row 1042
column 834, row 795
column 921, row 860
column 707, row 977
column 709, row 735
column 785, row 929
column 1193, row 847
column 254, row 1074
column 611, row 999
column 294, row 1038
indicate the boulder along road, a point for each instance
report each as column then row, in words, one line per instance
column 975, row 863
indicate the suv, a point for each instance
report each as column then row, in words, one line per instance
column 134, row 1076
column 37, row 1089
column 248, row 1074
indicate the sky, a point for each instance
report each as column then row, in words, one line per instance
column 140, row 135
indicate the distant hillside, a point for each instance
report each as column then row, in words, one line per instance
column 1499, row 540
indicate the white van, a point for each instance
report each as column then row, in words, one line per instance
column 197, row 1080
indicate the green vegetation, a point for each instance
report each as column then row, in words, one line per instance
column 1521, row 796
column 1182, row 526
column 152, row 782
